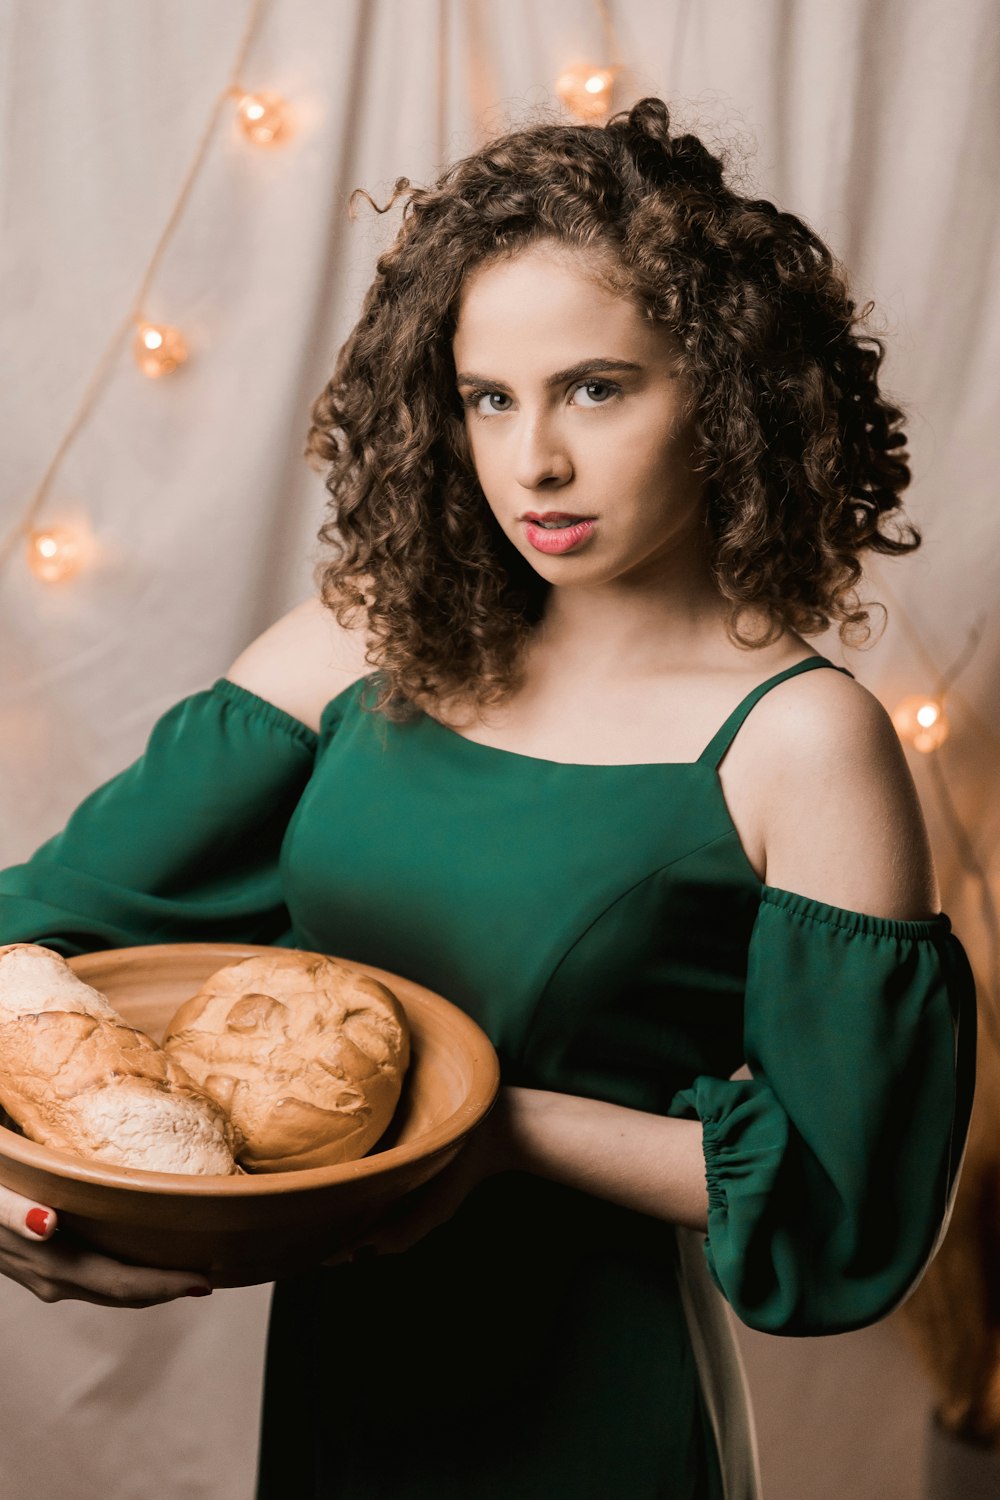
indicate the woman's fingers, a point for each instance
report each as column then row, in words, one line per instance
column 26, row 1217
column 64, row 1268
column 74, row 1273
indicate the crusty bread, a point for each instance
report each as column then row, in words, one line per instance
column 75, row 1075
column 306, row 1054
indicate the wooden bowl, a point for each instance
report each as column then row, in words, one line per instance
column 248, row 1229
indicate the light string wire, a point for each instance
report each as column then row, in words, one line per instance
column 610, row 35
column 232, row 87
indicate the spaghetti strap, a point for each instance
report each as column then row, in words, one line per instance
column 720, row 743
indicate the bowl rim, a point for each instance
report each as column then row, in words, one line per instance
column 484, row 1087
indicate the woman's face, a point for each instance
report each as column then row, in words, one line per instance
column 574, row 407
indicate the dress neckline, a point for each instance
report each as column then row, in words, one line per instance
column 543, row 760
column 709, row 757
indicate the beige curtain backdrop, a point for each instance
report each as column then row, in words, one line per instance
column 875, row 120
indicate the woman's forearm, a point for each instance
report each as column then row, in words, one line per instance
column 650, row 1163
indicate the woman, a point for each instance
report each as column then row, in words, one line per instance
column 605, row 443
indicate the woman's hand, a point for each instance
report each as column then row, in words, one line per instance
column 488, row 1150
column 63, row 1269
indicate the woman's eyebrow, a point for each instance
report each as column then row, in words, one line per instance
column 574, row 372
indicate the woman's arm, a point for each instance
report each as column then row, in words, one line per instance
column 641, row 1161
column 832, row 1170
column 646, row 1162
column 181, row 845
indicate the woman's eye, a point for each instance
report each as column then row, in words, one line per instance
column 477, row 397
column 601, row 385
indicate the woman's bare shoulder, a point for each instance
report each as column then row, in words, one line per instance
column 302, row 661
column 843, row 821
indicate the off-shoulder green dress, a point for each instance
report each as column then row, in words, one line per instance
column 604, row 927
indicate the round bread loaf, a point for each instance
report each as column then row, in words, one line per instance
column 305, row 1054
column 76, row 1076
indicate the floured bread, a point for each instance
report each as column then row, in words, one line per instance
column 305, row 1054
column 75, row 1075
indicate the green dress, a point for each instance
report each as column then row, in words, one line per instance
column 604, row 927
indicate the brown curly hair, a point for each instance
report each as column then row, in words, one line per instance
column 799, row 451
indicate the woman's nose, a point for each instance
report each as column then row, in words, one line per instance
column 542, row 456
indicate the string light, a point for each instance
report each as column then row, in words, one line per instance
column 158, row 349
column 586, row 89
column 263, row 118
column 921, row 721
column 55, row 553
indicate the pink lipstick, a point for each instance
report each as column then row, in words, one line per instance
column 564, row 532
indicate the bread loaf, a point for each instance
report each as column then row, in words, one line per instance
column 76, row 1076
column 306, row 1054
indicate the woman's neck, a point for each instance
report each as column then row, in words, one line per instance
column 639, row 630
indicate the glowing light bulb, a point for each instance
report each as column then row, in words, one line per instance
column 54, row 553
column 264, row 119
column 158, row 349
column 922, row 722
column 586, row 90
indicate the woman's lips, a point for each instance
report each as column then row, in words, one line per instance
column 559, row 539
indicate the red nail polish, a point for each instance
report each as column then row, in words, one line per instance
column 198, row 1291
column 37, row 1220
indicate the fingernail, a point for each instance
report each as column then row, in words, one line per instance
column 198, row 1291
column 37, row 1220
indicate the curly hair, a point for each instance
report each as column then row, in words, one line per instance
column 799, row 452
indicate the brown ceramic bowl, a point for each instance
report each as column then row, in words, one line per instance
column 248, row 1229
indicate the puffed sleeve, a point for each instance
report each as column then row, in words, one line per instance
column 832, row 1171
column 182, row 846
